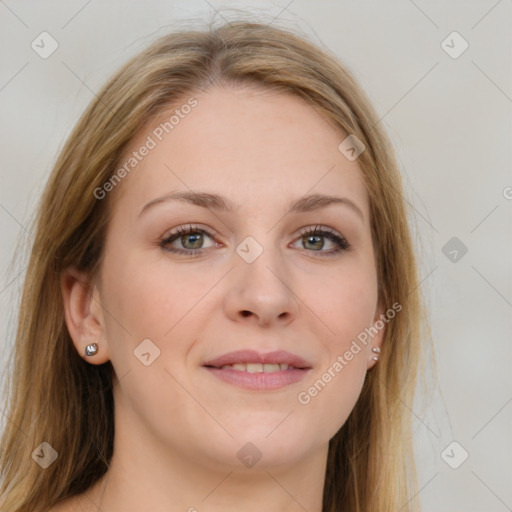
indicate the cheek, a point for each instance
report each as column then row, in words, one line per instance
column 344, row 303
column 149, row 299
column 329, row 398
column 144, row 303
column 346, row 306
column 146, row 297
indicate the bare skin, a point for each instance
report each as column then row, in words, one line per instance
column 179, row 428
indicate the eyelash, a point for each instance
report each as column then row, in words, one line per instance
column 330, row 234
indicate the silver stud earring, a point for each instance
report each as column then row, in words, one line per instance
column 376, row 350
column 90, row 350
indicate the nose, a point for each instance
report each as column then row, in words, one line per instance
column 261, row 293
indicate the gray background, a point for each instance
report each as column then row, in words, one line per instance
column 449, row 119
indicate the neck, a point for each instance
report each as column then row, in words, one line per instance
column 143, row 475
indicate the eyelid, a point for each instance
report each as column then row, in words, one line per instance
column 190, row 227
column 318, row 228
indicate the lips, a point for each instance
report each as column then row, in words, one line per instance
column 252, row 358
column 255, row 371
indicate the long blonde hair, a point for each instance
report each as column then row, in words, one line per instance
column 370, row 465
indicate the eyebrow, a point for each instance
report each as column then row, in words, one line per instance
column 308, row 203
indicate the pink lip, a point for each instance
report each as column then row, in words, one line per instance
column 251, row 356
column 259, row 381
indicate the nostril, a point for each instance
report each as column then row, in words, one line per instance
column 245, row 312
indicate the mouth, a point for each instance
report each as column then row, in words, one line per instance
column 257, row 371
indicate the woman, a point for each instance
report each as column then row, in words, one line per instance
column 221, row 309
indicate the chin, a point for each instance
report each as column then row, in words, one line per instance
column 253, row 449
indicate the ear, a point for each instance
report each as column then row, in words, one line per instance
column 84, row 314
column 378, row 330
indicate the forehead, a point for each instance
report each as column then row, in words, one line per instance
column 249, row 144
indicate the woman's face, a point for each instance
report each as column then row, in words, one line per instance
column 215, row 256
